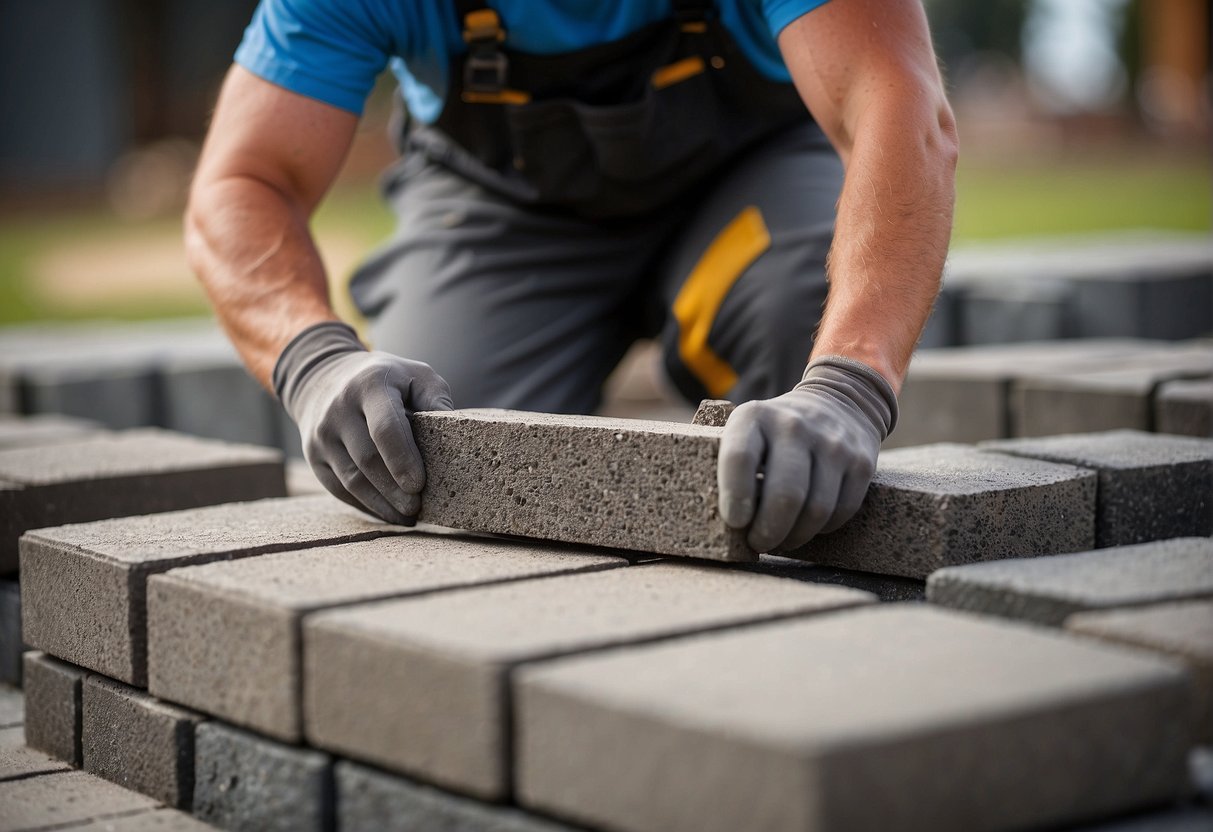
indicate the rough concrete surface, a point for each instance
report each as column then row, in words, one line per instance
column 625, row 483
column 136, row 741
column 245, row 782
column 84, row 586
column 945, row 504
column 65, row 800
column 53, row 707
column 892, row 717
column 1183, row 630
column 420, row 685
column 225, row 637
column 1047, row 590
column 1184, row 407
column 46, row 429
column 11, row 645
column 1151, row 486
column 19, row 760
column 157, row 820
column 133, row 472
column 371, row 801
column 713, row 412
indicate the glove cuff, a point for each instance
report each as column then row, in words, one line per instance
column 859, row 384
column 310, row 348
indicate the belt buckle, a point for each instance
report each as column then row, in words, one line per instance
column 485, row 71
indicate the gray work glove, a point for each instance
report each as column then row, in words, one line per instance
column 352, row 407
column 815, row 447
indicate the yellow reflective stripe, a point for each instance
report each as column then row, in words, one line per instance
column 482, row 24
column 677, row 71
column 502, row 97
column 740, row 243
column 695, row 28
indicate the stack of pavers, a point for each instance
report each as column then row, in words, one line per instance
column 599, row 652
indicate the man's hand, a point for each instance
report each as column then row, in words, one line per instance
column 352, row 407
column 815, row 447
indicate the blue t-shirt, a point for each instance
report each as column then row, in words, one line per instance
column 332, row 50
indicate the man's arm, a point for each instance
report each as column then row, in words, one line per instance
column 867, row 72
column 268, row 160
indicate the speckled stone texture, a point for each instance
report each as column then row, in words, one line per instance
column 1183, row 630
column 84, row 586
column 624, row 483
column 53, row 707
column 245, row 782
column 1151, row 486
column 66, row 800
column 945, row 504
column 370, row 801
column 134, row 472
column 891, row 717
column 138, row 742
column 46, row 429
column 19, row 760
column 713, row 412
column 420, row 685
column 225, row 637
column 1184, row 407
column 1047, row 590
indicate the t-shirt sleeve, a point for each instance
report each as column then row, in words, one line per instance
column 779, row 13
column 330, row 50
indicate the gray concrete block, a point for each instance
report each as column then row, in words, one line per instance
column 942, row 327
column 84, row 586
column 138, row 742
column 225, row 637
column 215, row 397
column 1056, row 402
column 53, row 707
column 372, row 801
column 893, row 717
column 1184, row 407
column 940, row 505
column 884, row 587
column 623, row 483
column 713, row 412
column 246, row 782
column 1145, row 304
column 12, row 706
column 12, row 648
column 121, row 394
column 158, row 820
column 1183, row 630
column 47, row 429
column 420, row 686
column 1151, row 486
column 1024, row 310
column 962, row 394
column 66, row 799
column 1047, row 590
column 136, row 472
column 19, row 760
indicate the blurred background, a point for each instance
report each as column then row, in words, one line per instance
column 1075, row 116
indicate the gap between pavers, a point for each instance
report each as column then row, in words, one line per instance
column 621, row 483
column 1047, row 590
column 225, row 637
column 1151, row 486
column 421, row 686
column 84, row 586
column 118, row 474
column 939, row 505
column 893, row 717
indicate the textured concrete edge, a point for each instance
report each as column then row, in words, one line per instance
column 45, row 708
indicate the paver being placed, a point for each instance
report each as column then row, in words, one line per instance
column 136, row 741
column 939, row 505
column 368, row 800
column 84, row 586
column 420, row 685
column 1183, row 630
column 53, row 707
column 1047, row 590
column 198, row 615
column 11, row 645
column 45, row 429
column 66, row 799
column 133, row 472
column 245, row 782
column 892, row 717
column 1184, row 407
column 1151, row 486
column 577, row 479
column 19, row 760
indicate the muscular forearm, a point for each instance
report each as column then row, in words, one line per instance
column 250, row 247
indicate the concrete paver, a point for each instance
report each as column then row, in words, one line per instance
column 84, row 586
column 53, row 707
column 1184, row 407
column 225, row 637
column 65, row 799
column 19, row 760
column 157, row 820
column 420, row 685
column 893, row 717
column 43, row 429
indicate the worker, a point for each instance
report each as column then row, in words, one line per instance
column 765, row 186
